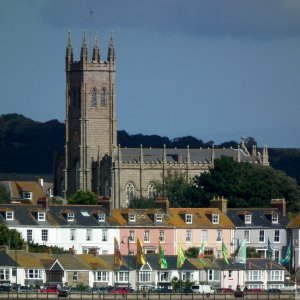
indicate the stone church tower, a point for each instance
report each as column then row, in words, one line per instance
column 92, row 159
column 91, row 132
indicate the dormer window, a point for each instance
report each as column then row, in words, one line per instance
column 41, row 216
column 248, row 219
column 9, row 215
column 132, row 218
column 27, row 195
column 101, row 217
column 215, row 218
column 158, row 218
column 189, row 219
column 274, row 219
column 70, row 217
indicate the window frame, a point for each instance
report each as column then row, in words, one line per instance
column 29, row 235
column 188, row 218
column 41, row 216
column 275, row 218
column 9, row 216
column 215, row 218
column 277, row 237
column 248, row 239
column 162, row 236
column 248, row 218
column 104, row 235
column 45, row 235
column 259, row 236
column 188, row 236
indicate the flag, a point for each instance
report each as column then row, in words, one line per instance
column 201, row 253
column 140, row 256
column 225, row 253
column 288, row 255
column 270, row 250
column 180, row 257
column 242, row 254
column 163, row 264
column 117, row 254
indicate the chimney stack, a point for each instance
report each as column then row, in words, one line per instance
column 220, row 203
column 280, row 204
column 162, row 203
column 106, row 203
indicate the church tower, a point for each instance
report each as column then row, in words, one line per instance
column 91, row 129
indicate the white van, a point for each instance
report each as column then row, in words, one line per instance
column 203, row 288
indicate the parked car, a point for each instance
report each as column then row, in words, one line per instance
column 224, row 291
column 5, row 288
column 121, row 290
column 253, row 291
column 273, row 291
column 63, row 293
column 162, row 290
column 25, row 289
column 238, row 293
column 203, row 288
column 49, row 289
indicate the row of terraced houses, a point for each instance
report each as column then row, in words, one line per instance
column 90, row 230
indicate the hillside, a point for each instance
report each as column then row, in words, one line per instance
column 27, row 146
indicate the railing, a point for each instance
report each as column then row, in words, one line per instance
column 149, row 295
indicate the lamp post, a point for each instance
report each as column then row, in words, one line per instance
column 122, row 242
column 237, row 240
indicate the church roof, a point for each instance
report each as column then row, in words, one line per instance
column 176, row 155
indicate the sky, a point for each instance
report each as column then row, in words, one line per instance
column 216, row 70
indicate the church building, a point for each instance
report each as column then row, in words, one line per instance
column 94, row 161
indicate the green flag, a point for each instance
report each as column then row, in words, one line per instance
column 201, row 253
column 163, row 264
column 225, row 253
column 180, row 258
column 288, row 255
column 242, row 254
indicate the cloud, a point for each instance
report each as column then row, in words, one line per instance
column 210, row 18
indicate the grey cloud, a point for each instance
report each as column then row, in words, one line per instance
column 233, row 18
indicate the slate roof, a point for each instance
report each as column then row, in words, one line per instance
column 6, row 260
column 31, row 260
column 17, row 188
column 261, row 217
column 144, row 217
column 174, row 155
column 251, row 264
column 71, row 262
column 56, row 215
column 201, row 218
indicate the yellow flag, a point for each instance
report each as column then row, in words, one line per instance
column 117, row 254
column 140, row 256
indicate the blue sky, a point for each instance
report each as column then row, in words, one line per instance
column 212, row 69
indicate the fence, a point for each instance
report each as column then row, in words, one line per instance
column 147, row 296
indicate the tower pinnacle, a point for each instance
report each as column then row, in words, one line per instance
column 69, row 50
column 96, row 50
column 84, row 50
column 111, row 55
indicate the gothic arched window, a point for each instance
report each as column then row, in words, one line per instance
column 103, row 97
column 151, row 191
column 94, row 97
column 129, row 192
column 106, row 187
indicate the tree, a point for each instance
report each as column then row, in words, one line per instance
column 11, row 238
column 83, row 197
column 247, row 185
column 252, row 253
column 37, row 248
column 177, row 188
column 192, row 252
column 4, row 194
column 142, row 202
